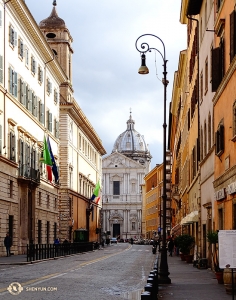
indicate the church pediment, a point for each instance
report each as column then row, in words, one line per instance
column 115, row 216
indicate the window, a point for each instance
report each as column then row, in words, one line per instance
column 21, row 49
column 33, row 65
column 206, row 75
column 55, row 96
column 29, row 95
column 56, row 128
column 1, row 69
column 232, row 35
column 12, row 82
column 218, row 65
column 41, row 112
column 12, row 146
column 40, row 74
column 10, row 188
column 201, row 144
column 34, row 105
column 26, row 56
column 12, row 36
column 133, row 225
column 49, row 86
column 49, row 121
column 116, row 187
column 219, row 140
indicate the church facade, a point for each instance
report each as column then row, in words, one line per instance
column 123, row 174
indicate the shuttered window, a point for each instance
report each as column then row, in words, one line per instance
column 21, row 49
column 49, row 121
column 12, row 146
column 219, row 140
column 12, row 82
column 12, row 36
column 232, row 35
column 56, row 129
column 41, row 112
column 40, row 74
column 35, row 105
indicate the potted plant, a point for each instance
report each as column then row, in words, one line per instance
column 212, row 238
column 185, row 243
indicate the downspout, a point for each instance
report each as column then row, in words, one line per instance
column 4, row 76
column 198, row 143
column 45, row 65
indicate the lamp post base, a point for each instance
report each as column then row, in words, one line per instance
column 163, row 270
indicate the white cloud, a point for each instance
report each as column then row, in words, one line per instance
column 105, row 62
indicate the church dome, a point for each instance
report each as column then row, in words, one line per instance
column 53, row 21
column 132, row 144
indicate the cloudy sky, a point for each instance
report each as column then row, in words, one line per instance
column 105, row 62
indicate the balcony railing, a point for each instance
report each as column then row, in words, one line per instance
column 29, row 173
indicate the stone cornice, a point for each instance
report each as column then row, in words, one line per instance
column 229, row 175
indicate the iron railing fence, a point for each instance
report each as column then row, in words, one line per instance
column 45, row 251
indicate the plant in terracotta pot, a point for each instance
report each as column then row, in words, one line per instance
column 212, row 238
column 185, row 243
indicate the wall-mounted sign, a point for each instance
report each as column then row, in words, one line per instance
column 220, row 194
column 231, row 188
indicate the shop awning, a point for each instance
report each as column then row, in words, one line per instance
column 190, row 218
column 176, row 230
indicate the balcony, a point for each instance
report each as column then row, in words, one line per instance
column 26, row 173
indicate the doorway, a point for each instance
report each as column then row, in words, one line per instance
column 116, row 230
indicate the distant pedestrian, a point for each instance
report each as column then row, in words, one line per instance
column 8, row 243
column 57, row 241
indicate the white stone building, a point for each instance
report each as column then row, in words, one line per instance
column 123, row 173
column 30, row 78
column 81, row 148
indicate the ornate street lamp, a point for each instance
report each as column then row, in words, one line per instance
column 143, row 48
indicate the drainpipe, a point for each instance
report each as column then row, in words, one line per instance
column 45, row 82
column 198, row 143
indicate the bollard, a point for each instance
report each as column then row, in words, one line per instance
column 146, row 295
column 148, row 287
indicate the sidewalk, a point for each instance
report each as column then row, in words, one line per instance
column 14, row 260
column 190, row 283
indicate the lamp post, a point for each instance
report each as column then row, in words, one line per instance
column 144, row 48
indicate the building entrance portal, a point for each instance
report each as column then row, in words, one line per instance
column 116, row 230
